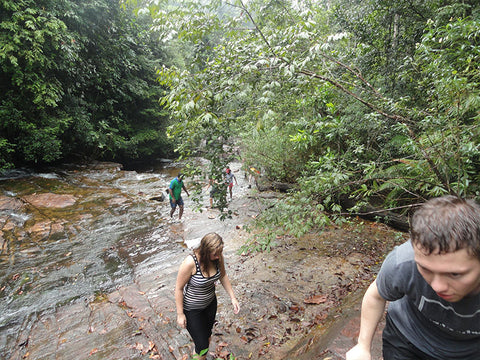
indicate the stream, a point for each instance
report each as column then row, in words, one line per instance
column 70, row 234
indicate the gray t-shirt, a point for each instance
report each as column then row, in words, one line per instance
column 441, row 329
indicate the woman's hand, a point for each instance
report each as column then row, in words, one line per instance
column 236, row 306
column 182, row 320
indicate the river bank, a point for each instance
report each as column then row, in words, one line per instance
column 295, row 299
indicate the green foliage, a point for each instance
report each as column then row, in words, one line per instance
column 5, row 148
column 359, row 100
column 205, row 351
column 77, row 79
column 32, row 40
column 201, row 107
column 294, row 215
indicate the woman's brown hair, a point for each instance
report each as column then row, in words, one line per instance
column 211, row 243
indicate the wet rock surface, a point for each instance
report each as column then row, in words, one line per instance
column 62, row 300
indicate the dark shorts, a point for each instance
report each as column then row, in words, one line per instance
column 200, row 324
column 213, row 192
column 178, row 202
column 397, row 347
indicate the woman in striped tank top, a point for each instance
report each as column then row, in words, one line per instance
column 195, row 297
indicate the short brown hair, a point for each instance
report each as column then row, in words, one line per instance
column 447, row 224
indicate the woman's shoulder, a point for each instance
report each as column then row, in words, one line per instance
column 188, row 264
column 189, row 261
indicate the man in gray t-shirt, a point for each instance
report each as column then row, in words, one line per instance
column 433, row 285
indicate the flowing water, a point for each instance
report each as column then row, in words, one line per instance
column 74, row 233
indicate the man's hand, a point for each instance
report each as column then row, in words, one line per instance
column 373, row 307
column 358, row 352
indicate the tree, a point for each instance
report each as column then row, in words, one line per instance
column 33, row 41
column 78, row 81
column 347, row 101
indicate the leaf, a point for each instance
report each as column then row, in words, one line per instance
column 138, row 346
column 316, row 299
column 151, row 345
column 320, row 318
column 244, row 339
column 223, row 354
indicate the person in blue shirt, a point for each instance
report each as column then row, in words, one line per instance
column 175, row 195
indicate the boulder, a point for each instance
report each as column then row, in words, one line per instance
column 10, row 203
column 50, row 200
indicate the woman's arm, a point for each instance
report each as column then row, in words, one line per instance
column 373, row 307
column 227, row 285
column 186, row 270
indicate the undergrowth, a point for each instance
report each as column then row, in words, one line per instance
column 290, row 216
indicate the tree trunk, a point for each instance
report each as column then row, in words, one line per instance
column 369, row 212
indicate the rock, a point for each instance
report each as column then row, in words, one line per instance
column 45, row 228
column 117, row 201
column 161, row 197
column 9, row 203
column 104, row 165
column 50, row 200
column 263, row 184
column 193, row 243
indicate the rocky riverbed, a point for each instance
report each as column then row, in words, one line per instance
column 88, row 265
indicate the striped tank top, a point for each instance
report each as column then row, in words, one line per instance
column 200, row 290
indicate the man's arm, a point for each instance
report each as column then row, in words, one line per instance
column 171, row 194
column 373, row 307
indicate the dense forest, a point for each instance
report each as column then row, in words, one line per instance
column 351, row 102
column 77, row 81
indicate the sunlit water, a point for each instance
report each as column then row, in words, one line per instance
column 113, row 231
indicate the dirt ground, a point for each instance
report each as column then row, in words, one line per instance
column 301, row 299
